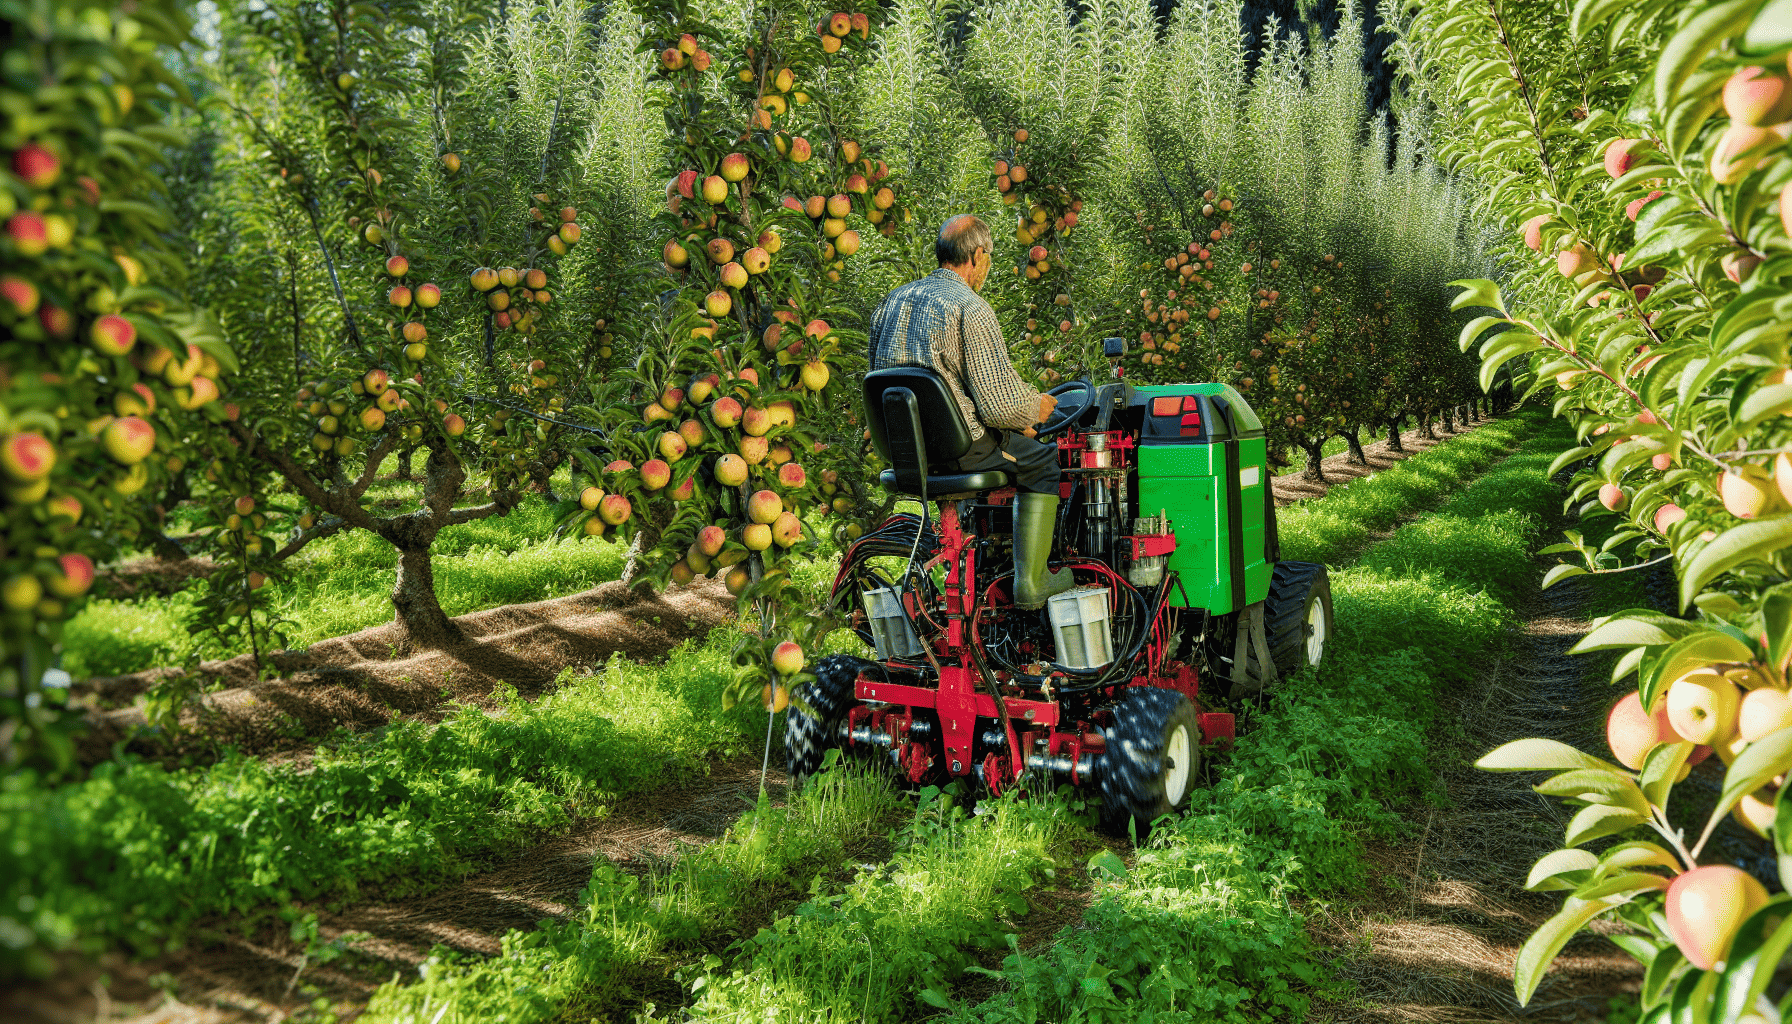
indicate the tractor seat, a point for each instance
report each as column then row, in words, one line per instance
column 898, row 400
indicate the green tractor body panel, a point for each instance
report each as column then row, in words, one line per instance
column 1211, row 480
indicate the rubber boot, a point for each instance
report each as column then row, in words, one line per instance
column 1035, row 516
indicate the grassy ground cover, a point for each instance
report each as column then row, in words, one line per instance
column 343, row 584
column 133, row 854
column 1334, row 528
column 1199, row 928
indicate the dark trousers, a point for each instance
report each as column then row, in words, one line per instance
column 1032, row 465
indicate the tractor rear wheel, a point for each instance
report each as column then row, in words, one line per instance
column 1298, row 615
column 1297, row 623
column 1153, row 759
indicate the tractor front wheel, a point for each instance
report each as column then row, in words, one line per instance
column 1153, row 759
column 816, row 721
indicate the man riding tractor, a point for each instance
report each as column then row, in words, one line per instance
column 940, row 323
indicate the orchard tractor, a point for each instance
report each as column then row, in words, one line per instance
column 1166, row 523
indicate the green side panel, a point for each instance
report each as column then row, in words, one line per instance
column 1187, row 482
column 1254, row 475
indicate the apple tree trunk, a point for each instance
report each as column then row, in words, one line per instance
column 1394, row 441
column 1353, row 439
column 1315, row 450
column 419, row 612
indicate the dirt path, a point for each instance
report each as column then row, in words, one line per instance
column 239, row 977
column 1293, row 486
column 362, row 681
column 1436, row 937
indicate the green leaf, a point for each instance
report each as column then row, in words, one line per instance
column 1633, row 628
column 1560, row 573
column 1541, row 755
column 1733, row 547
column 1626, row 882
column 1638, row 854
column 1473, row 329
column 1661, row 769
column 1588, row 13
column 1661, row 971
column 1771, row 30
column 1764, row 402
column 1567, row 458
column 1477, row 292
column 1755, row 952
column 1107, row 864
column 1755, row 767
column 1776, row 623
column 1596, row 786
column 933, row 998
column 1683, row 52
column 1548, row 872
column 1540, row 950
column 1596, row 821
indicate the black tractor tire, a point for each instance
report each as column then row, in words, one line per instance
column 1139, row 775
column 816, row 720
column 1298, row 633
column 1297, row 623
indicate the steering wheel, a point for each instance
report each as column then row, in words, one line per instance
column 1067, row 411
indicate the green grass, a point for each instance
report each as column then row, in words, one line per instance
column 343, row 584
column 589, row 967
column 135, row 853
column 1333, row 528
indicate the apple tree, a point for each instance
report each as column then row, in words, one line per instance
column 741, row 415
column 1637, row 157
column 441, row 214
column 106, row 374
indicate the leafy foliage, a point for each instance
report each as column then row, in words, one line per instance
column 1633, row 152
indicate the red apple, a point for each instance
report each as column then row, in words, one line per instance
column 113, row 335
column 27, row 457
column 129, row 439
column 35, row 165
column 655, row 473
column 731, row 470
column 764, row 507
column 1706, row 906
column 787, row 529
column 21, row 293
column 753, row 449
column 614, row 509
column 787, row 659
column 1619, row 157
column 710, row 540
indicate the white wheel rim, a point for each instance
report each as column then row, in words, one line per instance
column 1315, row 632
column 1179, row 757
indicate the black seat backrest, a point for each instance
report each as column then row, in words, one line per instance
column 937, row 434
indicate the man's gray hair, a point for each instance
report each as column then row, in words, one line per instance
column 960, row 238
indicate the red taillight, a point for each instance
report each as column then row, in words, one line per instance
column 1191, row 416
column 1166, row 405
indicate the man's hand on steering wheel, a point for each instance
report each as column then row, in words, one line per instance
column 1047, row 403
column 1057, row 416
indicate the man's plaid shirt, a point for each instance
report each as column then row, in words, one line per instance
column 938, row 322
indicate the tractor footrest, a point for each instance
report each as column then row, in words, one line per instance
column 1218, row 727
